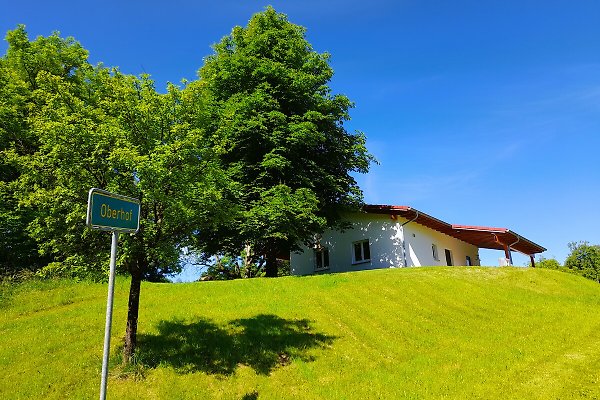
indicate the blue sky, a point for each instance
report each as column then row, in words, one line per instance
column 480, row 113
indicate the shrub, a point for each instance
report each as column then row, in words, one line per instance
column 584, row 259
column 548, row 263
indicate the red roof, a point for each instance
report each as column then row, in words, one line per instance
column 481, row 236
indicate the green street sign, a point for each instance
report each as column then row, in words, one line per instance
column 112, row 212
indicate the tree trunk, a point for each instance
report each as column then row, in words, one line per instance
column 132, row 316
column 271, row 263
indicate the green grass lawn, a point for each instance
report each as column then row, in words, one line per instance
column 449, row 332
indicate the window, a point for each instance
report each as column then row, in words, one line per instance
column 434, row 250
column 469, row 262
column 321, row 259
column 448, row 257
column 361, row 251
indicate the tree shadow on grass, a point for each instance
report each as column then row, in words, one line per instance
column 263, row 342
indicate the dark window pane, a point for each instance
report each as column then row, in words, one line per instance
column 448, row 257
column 367, row 251
column 319, row 258
column 357, row 252
column 326, row 258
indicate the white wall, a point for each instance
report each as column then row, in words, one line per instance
column 385, row 241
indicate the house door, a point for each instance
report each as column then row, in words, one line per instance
column 448, row 257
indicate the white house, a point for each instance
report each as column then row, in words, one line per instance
column 385, row 236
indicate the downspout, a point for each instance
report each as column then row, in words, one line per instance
column 506, row 251
column 511, row 245
column 496, row 239
column 403, row 240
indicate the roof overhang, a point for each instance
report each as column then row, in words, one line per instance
column 481, row 236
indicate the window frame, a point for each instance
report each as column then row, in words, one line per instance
column 449, row 257
column 435, row 252
column 322, row 254
column 362, row 259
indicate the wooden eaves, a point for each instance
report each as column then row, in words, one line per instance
column 481, row 236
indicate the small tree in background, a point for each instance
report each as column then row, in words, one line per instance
column 547, row 263
column 584, row 259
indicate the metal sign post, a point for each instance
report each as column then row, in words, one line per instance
column 109, row 307
column 115, row 213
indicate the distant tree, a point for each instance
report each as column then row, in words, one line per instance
column 547, row 263
column 229, row 267
column 584, row 259
column 279, row 131
column 90, row 126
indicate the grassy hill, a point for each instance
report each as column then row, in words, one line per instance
column 405, row 333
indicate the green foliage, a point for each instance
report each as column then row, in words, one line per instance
column 284, row 268
column 20, row 72
column 228, row 267
column 457, row 333
column 18, row 251
column 78, row 126
column 548, row 263
column 244, row 266
column 584, row 259
column 278, row 130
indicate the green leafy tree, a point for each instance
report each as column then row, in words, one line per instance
column 19, row 88
column 95, row 127
column 584, row 259
column 279, row 131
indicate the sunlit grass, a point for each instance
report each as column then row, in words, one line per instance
column 403, row 333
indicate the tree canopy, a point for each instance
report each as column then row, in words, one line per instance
column 90, row 126
column 22, row 71
column 279, row 132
